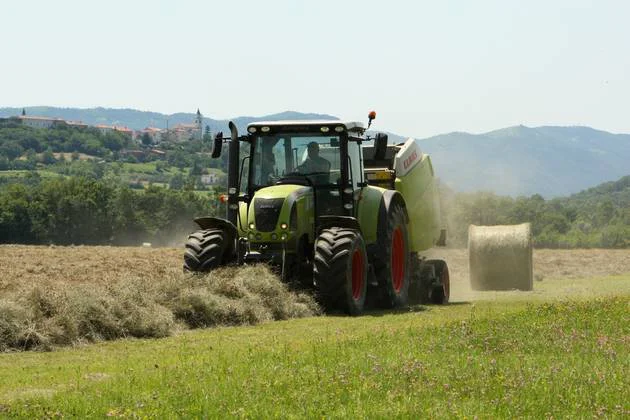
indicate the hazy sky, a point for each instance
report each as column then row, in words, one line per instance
column 426, row 67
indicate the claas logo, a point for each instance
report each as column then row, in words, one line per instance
column 408, row 161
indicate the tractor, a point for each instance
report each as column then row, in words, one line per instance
column 332, row 208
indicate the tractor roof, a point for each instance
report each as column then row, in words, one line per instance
column 287, row 125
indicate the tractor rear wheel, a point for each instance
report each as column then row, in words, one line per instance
column 205, row 250
column 340, row 269
column 394, row 272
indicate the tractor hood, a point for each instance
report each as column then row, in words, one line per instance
column 272, row 205
column 280, row 191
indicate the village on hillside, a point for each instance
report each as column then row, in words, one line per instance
column 147, row 136
column 150, row 155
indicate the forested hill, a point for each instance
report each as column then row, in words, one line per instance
column 617, row 192
column 596, row 217
column 138, row 120
column 551, row 161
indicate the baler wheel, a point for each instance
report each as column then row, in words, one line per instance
column 340, row 269
column 440, row 294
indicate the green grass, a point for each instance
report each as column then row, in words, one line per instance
column 22, row 174
column 143, row 168
column 504, row 357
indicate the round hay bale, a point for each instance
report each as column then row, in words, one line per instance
column 500, row 257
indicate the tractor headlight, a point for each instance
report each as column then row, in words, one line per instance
column 283, row 226
column 274, row 236
column 284, row 236
column 252, row 226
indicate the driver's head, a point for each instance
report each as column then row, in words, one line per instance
column 269, row 156
column 313, row 149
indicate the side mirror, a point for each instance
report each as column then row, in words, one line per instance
column 380, row 146
column 218, row 143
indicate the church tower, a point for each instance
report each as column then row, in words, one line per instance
column 198, row 125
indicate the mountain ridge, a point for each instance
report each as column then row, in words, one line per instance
column 549, row 160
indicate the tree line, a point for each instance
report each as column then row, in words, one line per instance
column 79, row 210
column 595, row 218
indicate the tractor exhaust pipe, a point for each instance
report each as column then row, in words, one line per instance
column 233, row 173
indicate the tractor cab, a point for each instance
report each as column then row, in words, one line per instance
column 324, row 156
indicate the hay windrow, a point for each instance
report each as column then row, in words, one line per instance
column 49, row 313
column 500, row 257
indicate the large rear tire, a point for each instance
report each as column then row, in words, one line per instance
column 394, row 272
column 340, row 269
column 205, row 250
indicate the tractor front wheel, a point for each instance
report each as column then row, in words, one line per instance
column 205, row 250
column 340, row 269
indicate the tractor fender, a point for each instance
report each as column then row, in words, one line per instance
column 389, row 199
column 218, row 223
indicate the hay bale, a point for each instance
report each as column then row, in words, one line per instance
column 500, row 257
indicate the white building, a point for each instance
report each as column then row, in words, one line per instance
column 40, row 122
column 210, row 179
column 104, row 129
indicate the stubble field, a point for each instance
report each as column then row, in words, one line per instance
column 28, row 265
column 558, row 351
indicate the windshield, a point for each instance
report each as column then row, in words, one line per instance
column 295, row 155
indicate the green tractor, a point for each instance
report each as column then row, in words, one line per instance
column 348, row 219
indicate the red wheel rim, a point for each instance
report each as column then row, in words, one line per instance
column 398, row 259
column 357, row 274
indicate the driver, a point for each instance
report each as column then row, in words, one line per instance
column 268, row 165
column 314, row 163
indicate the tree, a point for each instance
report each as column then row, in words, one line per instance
column 146, row 139
column 177, row 182
column 11, row 151
column 48, row 158
column 207, row 135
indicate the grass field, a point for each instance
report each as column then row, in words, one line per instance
column 559, row 351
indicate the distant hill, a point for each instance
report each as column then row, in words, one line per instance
column 616, row 192
column 551, row 161
column 138, row 120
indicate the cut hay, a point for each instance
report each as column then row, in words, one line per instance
column 500, row 257
column 55, row 313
